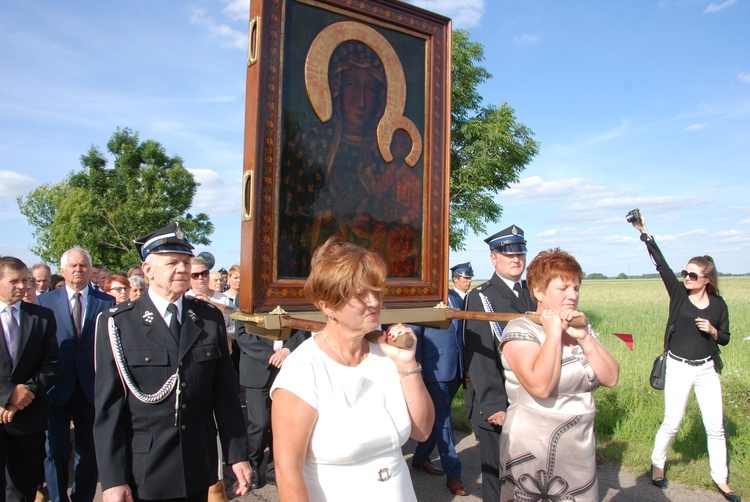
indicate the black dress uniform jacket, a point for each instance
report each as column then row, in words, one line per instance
column 160, row 451
column 481, row 349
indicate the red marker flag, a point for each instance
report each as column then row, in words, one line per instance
column 625, row 337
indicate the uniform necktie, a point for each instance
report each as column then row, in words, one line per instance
column 77, row 313
column 521, row 297
column 174, row 324
column 14, row 332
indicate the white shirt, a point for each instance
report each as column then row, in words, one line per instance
column 161, row 305
column 84, row 300
column 5, row 318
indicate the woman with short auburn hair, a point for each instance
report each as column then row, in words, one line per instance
column 547, row 447
column 119, row 287
column 344, row 406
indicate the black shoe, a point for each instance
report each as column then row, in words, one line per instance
column 255, row 480
column 659, row 482
column 730, row 495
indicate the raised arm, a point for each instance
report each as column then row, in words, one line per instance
column 418, row 400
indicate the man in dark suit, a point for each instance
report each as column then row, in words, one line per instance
column 29, row 364
column 72, row 398
column 156, row 439
column 260, row 362
column 441, row 354
column 504, row 292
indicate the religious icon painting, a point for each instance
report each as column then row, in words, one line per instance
column 347, row 133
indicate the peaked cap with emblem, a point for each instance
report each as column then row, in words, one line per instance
column 169, row 239
column 463, row 270
column 508, row 241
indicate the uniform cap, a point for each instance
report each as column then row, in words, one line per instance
column 463, row 269
column 508, row 241
column 169, row 239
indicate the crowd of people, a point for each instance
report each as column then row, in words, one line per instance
column 145, row 368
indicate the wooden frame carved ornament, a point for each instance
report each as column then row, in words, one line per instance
column 347, row 132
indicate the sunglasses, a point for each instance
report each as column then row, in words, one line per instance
column 691, row 275
column 197, row 275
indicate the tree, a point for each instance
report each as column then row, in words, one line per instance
column 489, row 149
column 104, row 209
column 623, row 275
column 596, row 275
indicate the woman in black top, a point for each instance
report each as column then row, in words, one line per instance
column 698, row 323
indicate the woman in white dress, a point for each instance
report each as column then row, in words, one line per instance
column 547, row 447
column 343, row 406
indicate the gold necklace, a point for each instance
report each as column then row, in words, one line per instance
column 334, row 348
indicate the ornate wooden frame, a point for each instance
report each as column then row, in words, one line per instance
column 281, row 30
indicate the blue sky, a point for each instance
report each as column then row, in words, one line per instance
column 644, row 103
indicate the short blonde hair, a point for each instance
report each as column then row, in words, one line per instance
column 340, row 271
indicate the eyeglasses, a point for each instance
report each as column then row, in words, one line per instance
column 691, row 275
column 119, row 289
column 198, row 275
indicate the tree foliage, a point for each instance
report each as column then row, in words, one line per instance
column 103, row 209
column 489, row 149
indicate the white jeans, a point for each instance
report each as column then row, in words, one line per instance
column 680, row 378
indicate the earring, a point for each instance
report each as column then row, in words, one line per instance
column 332, row 317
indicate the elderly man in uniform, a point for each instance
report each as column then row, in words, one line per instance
column 441, row 354
column 504, row 292
column 164, row 385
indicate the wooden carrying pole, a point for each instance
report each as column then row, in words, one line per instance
column 288, row 321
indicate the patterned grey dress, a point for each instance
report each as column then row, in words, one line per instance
column 547, row 448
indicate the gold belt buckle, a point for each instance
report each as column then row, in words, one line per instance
column 384, row 474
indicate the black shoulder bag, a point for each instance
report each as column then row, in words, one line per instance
column 659, row 369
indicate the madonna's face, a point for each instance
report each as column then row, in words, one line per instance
column 360, row 93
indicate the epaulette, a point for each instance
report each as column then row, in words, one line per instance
column 120, row 308
column 204, row 303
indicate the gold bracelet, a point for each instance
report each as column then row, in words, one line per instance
column 418, row 369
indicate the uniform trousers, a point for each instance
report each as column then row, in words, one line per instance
column 680, row 378
column 259, row 435
column 442, row 394
column 489, row 454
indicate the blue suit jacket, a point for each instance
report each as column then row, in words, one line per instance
column 76, row 356
column 441, row 351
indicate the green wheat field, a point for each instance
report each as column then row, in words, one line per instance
column 629, row 414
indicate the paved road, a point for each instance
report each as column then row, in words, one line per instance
column 615, row 484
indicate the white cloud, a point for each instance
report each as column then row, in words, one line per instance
column 716, row 7
column 611, row 134
column 744, row 77
column 216, row 194
column 464, row 13
column 237, row 9
column 746, row 221
column 534, row 187
column 228, row 36
column 15, row 184
column 526, row 39
column 696, row 127
column 730, row 233
column 620, row 239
